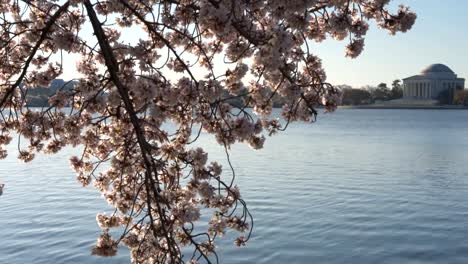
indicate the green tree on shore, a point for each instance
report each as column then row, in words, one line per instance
column 397, row 90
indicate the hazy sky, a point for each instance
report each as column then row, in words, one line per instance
column 440, row 35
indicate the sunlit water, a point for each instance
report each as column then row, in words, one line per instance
column 358, row 186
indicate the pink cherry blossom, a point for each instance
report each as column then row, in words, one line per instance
column 140, row 101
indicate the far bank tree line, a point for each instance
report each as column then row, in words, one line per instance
column 371, row 94
column 374, row 94
column 39, row 97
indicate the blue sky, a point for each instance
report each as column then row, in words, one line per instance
column 440, row 35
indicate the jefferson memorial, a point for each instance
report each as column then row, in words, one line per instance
column 431, row 82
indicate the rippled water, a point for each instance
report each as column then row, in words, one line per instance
column 359, row 186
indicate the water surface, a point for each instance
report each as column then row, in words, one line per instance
column 358, row 186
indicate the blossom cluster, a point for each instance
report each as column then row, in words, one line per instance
column 128, row 91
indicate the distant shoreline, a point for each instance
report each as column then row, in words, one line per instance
column 418, row 107
column 425, row 107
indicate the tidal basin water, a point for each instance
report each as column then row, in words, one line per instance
column 358, row 186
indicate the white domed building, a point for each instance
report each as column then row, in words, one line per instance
column 433, row 80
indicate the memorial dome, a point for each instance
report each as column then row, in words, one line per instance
column 437, row 68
